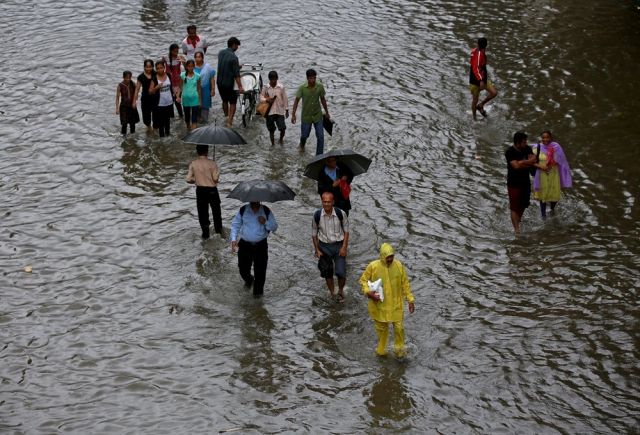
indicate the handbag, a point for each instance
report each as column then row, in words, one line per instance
column 263, row 108
column 532, row 169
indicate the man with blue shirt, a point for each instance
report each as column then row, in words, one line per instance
column 249, row 231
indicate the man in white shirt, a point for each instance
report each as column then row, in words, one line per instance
column 330, row 237
column 192, row 42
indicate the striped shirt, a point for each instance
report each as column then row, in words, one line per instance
column 329, row 229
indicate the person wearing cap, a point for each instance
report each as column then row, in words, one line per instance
column 275, row 94
column 389, row 309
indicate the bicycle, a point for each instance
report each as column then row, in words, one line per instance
column 252, row 84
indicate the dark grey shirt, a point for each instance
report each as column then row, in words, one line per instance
column 228, row 68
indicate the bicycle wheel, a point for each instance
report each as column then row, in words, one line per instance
column 245, row 110
column 250, row 110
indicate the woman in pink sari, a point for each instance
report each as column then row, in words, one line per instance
column 556, row 175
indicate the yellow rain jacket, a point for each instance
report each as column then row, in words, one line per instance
column 395, row 285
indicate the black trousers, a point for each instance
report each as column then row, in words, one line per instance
column 256, row 254
column 208, row 197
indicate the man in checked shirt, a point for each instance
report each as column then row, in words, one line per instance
column 330, row 237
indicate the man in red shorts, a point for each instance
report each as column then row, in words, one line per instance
column 520, row 158
column 479, row 79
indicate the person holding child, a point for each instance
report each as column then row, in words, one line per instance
column 124, row 104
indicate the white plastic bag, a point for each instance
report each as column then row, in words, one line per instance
column 376, row 286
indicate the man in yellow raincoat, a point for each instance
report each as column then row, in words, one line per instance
column 395, row 288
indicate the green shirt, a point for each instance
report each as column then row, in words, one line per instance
column 311, row 108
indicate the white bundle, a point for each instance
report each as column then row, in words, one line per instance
column 376, row 286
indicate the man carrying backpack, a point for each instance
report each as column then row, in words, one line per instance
column 330, row 237
column 249, row 231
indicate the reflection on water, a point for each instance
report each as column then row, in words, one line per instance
column 389, row 397
column 129, row 322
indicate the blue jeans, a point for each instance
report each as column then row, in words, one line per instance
column 305, row 128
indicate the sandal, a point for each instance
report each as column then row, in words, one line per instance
column 480, row 109
column 340, row 298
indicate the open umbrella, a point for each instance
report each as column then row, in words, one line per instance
column 213, row 135
column 262, row 191
column 356, row 162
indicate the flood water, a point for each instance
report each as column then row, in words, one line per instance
column 129, row 323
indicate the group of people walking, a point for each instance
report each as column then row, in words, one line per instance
column 188, row 83
column 254, row 222
column 547, row 164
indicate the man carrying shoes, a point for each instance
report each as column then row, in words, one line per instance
column 249, row 231
column 330, row 237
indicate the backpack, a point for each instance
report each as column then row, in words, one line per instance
column 339, row 213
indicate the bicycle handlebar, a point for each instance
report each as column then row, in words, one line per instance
column 253, row 66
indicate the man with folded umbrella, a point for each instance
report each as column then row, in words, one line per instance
column 330, row 237
column 312, row 94
column 204, row 173
column 249, row 231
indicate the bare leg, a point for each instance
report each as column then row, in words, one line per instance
column 474, row 104
column 341, row 282
column 330, row 286
column 232, row 112
column 225, row 108
column 491, row 94
column 515, row 220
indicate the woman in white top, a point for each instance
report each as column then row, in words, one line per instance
column 164, row 110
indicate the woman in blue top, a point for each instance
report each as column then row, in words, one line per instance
column 207, row 82
column 190, row 94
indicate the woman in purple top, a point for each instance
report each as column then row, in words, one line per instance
column 554, row 174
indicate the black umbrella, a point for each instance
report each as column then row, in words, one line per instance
column 356, row 162
column 213, row 135
column 262, row 191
